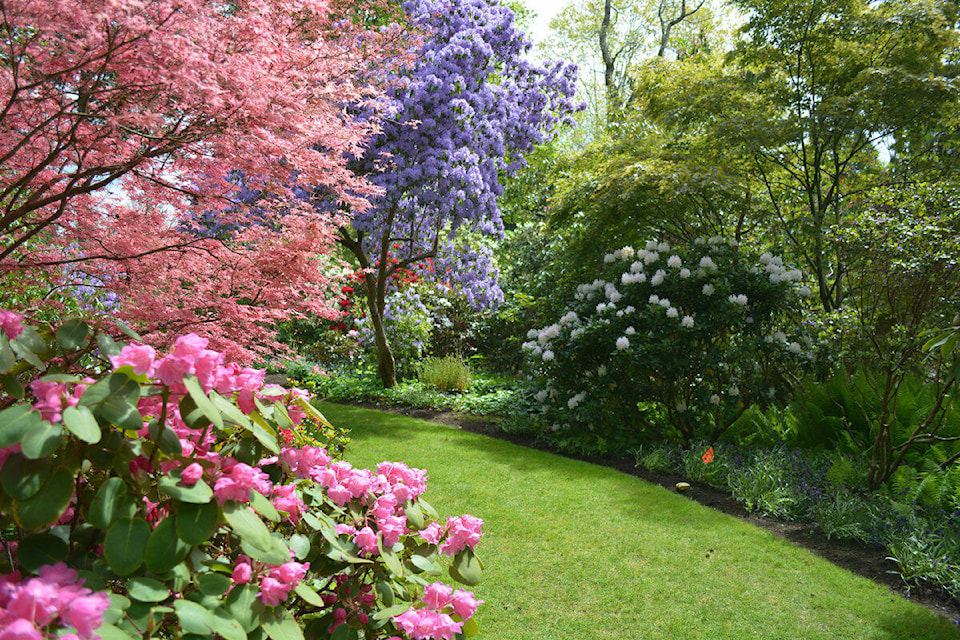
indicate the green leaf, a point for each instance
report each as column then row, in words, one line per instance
column 42, row 440
column 197, row 493
column 430, row 566
column 300, row 545
column 344, row 632
column 48, row 504
column 111, row 503
column 12, row 386
column 197, row 522
column 147, row 590
column 125, row 545
column 202, row 401
column 283, row 627
column 263, row 506
column 470, row 628
column 15, row 422
column 195, row 618
column 166, row 439
column 31, row 346
column 229, row 410
column 7, row 357
column 264, row 433
column 110, row 632
column 467, row 566
column 80, row 422
column 41, row 549
column 311, row 411
column 245, row 607
column 73, row 334
column 107, row 346
column 121, row 413
column 123, row 326
column 389, row 612
column 414, row 514
column 390, row 559
column 22, row 478
column 251, row 529
column 386, row 592
column 164, row 550
column 213, row 584
column 117, row 384
column 308, row 594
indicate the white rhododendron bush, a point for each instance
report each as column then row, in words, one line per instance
column 668, row 340
column 177, row 496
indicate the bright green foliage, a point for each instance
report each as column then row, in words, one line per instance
column 677, row 341
column 449, row 373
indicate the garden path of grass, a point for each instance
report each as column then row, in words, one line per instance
column 575, row 551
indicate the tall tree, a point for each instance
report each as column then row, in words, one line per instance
column 110, row 110
column 830, row 82
column 807, row 100
column 613, row 37
column 467, row 112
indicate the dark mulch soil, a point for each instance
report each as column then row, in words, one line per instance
column 869, row 562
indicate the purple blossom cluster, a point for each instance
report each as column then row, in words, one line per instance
column 465, row 115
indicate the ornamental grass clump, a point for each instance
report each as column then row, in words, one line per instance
column 448, row 373
column 176, row 495
column 670, row 341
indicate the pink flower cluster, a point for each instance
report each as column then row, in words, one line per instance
column 434, row 620
column 462, row 531
column 238, row 479
column 54, row 600
column 54, row 397
column 191, row 356
column 11, row 324
column 276, row 584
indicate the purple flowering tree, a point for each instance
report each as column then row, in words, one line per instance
column 466, row 113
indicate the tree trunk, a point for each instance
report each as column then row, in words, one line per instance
column 386, row 365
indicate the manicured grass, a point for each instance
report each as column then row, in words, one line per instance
column 580, row 552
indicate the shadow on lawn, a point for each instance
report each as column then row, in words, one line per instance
column 867, row 562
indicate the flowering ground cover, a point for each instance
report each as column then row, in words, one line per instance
column 574, row 550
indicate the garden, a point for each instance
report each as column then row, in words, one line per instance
column 676, row 287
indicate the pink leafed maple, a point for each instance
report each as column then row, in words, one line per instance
column 119, row 119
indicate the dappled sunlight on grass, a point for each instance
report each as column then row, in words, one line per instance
column 574, row 550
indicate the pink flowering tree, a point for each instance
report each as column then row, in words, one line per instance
column 120, row 121
column 163, row 494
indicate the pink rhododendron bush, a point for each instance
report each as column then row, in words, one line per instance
column 176, row 495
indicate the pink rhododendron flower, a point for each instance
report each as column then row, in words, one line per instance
column 306, row 461
column 192, row 474
column 285, row 499
column 11, row 323
column 366, row 539
column 171, row 369
column 20, row 629
column 85, row 613
column 424, row 624
column 432, row 533
column 241, row 573
column 273, row 592
column 239, row 481
column 437, row 595
column 391, row 528
column 464, row 603
column 140, row 357
column 462, row 531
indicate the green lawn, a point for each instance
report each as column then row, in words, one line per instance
column 577, row 551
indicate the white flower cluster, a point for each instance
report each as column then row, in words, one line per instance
column 576, row 400
column 740, row 299
column 778, row 273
